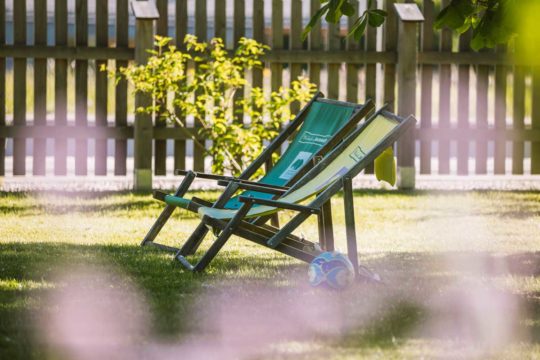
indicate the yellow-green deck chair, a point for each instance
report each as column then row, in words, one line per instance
column 324, row 180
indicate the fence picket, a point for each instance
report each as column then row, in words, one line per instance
column 535, row 145
column 60, row 86
column 239, row 31
column 120, row 110
column 463, row 107
column 315, row 45
column 482, row 85
column 81, row 87
column 40, row 86
column 102, row 23
column 180, row 32
column 19, row 87
column 371, row 73
column 518, row 122
column 500, row 116
column 426, row 99
column 333, row 68
column 258, row 34
column 2, row 87
column 201, row 32
column 352, row 69
column 390, row 42
column 295, row 44
column 445, row 72
column 277, row 43
column 160, row 146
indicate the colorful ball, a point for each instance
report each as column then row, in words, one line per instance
column 331, row 269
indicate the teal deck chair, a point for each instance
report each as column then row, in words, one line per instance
column 319, row 184
column 316, row 130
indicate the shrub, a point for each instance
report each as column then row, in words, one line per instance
column 202, row 83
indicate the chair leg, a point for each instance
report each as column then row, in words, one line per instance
column 348, row 202
column 192, row 243
column 223, row 237
column 195, row 240
column 328, row 226
column 326, row 231
column 169, row 209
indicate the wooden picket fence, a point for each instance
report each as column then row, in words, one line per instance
column 478, row 111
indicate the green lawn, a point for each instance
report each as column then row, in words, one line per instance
column 461, row 272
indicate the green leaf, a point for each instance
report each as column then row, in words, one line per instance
column 347, row 9
column 359, row 27
column 455, row 15
column 313, row 21
column 375, row 19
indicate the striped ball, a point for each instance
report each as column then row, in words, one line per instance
column 331, row 269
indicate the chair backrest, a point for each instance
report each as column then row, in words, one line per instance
column 344, row 158
column 323, row 120
column 349, row 158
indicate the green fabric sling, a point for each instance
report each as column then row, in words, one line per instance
column 322, row 122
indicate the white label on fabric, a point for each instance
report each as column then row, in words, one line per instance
column 296, row 164
column 314, row 139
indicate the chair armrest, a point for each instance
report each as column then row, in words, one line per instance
column 280, row 204
column 204, row 175
column 254, row 187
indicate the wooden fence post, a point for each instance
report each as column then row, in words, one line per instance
column 409, row 16
column 145, row 13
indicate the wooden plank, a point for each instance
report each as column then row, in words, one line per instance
column 315, row 44
column 143, row 129
column 352, row 69
column 19, row 87
column 535, row 145
column 121, row 99
column 40, row 86
column 2, row 87
column 406, row 101
column 258, row 34
column 350, row 226
column 426, row 100
column 81, row 87
column 277, row 43
column 371, row 74
column 319, row 57
column 518, row 150
column 501, row 73
column 67, row 52
column 463, row 106
column 160, row 146
column 468, row 58
column 239, row 26
column 89, row 132
column 390, row 45
column 239, row 31
column 220, row 19
column 445, row 70
column 201, row 32
column 60, row 86
column 126, row 132
column 491, row 134
column 295, row 43
column 102, row 23
column 333, row 68
column 482, row 85
column 180, row 33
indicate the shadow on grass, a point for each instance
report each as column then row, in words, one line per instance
column 172, row 293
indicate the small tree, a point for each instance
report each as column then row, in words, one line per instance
column 201, row 83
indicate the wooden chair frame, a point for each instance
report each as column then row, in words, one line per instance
column 282, row 239
column 242, row 182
